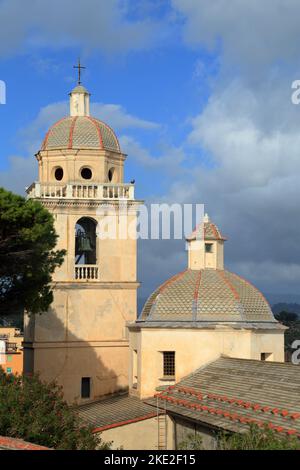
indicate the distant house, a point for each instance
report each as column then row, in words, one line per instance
column 11, row 350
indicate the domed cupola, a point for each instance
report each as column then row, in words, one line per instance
column 80, row 147
column 80, row 130
column 205, row 292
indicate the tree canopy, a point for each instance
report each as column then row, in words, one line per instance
column 36, row 412
column 256, row 438
column 27, row 255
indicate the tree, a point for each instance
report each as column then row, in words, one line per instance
column 292, row 321
column 36, row 412
column 27, row 255
column 286, row 317
column 257, row 438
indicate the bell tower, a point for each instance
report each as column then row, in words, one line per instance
column 81, row 341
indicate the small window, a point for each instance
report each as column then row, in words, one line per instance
column 9, row 358
column 266, row 356
column 85, row 387
column 59, row 174
column 86, row 173
column 169, row 363
column 208, row 247
column 111, row 174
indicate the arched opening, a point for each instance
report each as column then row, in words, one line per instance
column 59, row 174
column 85, row 241
column 111, row 174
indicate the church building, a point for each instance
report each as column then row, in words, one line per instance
column 198, row 315
column 82, row 341
column 206, row 353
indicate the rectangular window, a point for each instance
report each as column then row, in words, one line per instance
column 208, row 247
column 169, row 363
column 9, row 358
column 266, row 356
column 134, row 368
column 85, row 387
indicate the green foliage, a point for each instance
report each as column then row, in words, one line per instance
column 291, row 320
column 36, row 412
column 27, row 255
column 192, row 442
column 284, row 316
column 256, row 438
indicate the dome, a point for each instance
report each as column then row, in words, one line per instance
column 80, row 89
column 81, row 132
column 207, row 295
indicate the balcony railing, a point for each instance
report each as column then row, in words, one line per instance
column 81, row 191
column 86, row 272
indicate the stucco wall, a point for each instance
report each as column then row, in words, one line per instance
column 138, row 436
column 195, row 348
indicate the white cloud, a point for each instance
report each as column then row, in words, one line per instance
column 90, row 24
column 21, row 173
column 169, row 160
column 252, row 33
column 117, row 117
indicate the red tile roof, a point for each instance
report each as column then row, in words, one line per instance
column 233, row 393
column 9, row 443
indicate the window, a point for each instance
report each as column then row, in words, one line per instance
column 59, row 174
column 86, row 242
column 9, row 370
column 266, row 356
column 208, row 247
column 134, row 368
column 86, row 173
column 9, row 358
column 169, row 363
column 111, row 174
column 85, row 387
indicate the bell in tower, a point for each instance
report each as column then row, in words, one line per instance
column 83, row 336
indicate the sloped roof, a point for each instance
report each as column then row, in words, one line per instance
column 232, row 393
column 207, row 295
column 10, row 443
column 115, row 411
column 206, row 230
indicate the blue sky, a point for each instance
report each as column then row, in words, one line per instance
column 198, row 93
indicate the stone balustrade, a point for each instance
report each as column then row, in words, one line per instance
column 81, row 191
column 85, row 272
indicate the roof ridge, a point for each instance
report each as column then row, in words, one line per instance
column 94, row 121
column 74, row 119
column 231, row 287
column 253, row 286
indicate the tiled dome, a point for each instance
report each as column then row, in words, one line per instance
column 207, row 295
column 80, row 132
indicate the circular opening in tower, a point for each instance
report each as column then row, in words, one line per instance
column 111, row 174
column 86, row 173
column 59, row 174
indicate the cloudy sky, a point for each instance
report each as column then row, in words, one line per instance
column 199, row 94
